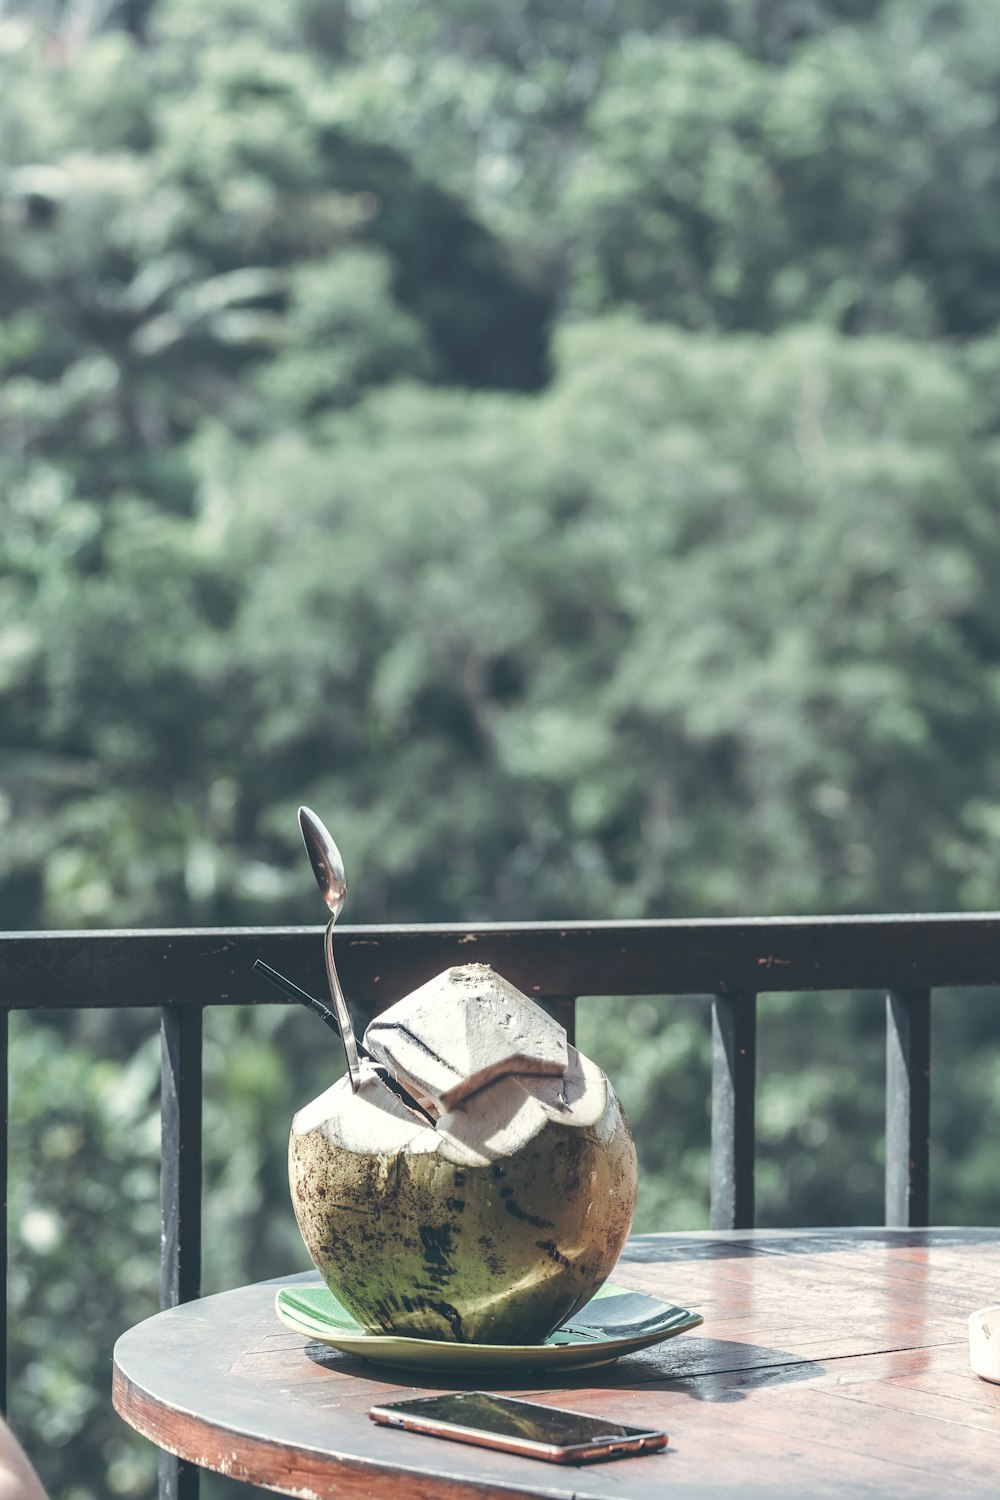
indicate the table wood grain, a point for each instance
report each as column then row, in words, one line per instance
column 830, row 1362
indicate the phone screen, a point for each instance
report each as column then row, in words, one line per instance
column 507, row 1420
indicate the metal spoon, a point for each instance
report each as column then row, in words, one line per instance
column 328, row 867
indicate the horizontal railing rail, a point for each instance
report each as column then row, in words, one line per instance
column 730, row 962
column 212, row 966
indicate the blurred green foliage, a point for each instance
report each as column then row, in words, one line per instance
column 560, row 445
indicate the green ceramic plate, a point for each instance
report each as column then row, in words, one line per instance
column 614, row 1322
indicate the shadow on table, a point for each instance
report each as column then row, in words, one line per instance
column 713, row 1370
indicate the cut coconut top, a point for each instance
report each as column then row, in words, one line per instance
column 503, row 1117
column 461, row 1031
column 507, row 1114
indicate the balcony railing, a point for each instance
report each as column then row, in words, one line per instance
column 728, row 962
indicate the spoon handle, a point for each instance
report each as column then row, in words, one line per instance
column 343, row 1014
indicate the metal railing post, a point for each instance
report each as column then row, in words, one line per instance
column 4, row 1155
column 907, row 1107
column 180, row 1190
column 734, row 1080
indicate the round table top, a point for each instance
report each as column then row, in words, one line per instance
column 829, row 1361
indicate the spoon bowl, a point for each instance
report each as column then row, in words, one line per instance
column 326, row 861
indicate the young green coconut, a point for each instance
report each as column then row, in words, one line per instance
column 493, row 1208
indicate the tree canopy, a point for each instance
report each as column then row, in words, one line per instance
column 558, row 444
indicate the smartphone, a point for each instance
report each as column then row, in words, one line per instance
column 526, row 1427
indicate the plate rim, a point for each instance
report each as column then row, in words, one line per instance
column 367, row 1345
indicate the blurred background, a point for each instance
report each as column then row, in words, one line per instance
column 559, row 444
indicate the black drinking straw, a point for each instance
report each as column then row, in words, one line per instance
column 316, row 1006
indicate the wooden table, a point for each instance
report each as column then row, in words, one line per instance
column 830, row 1362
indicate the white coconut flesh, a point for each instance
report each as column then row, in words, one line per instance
column 492, row 1224
column 498, row 1122
column 462, row 1030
